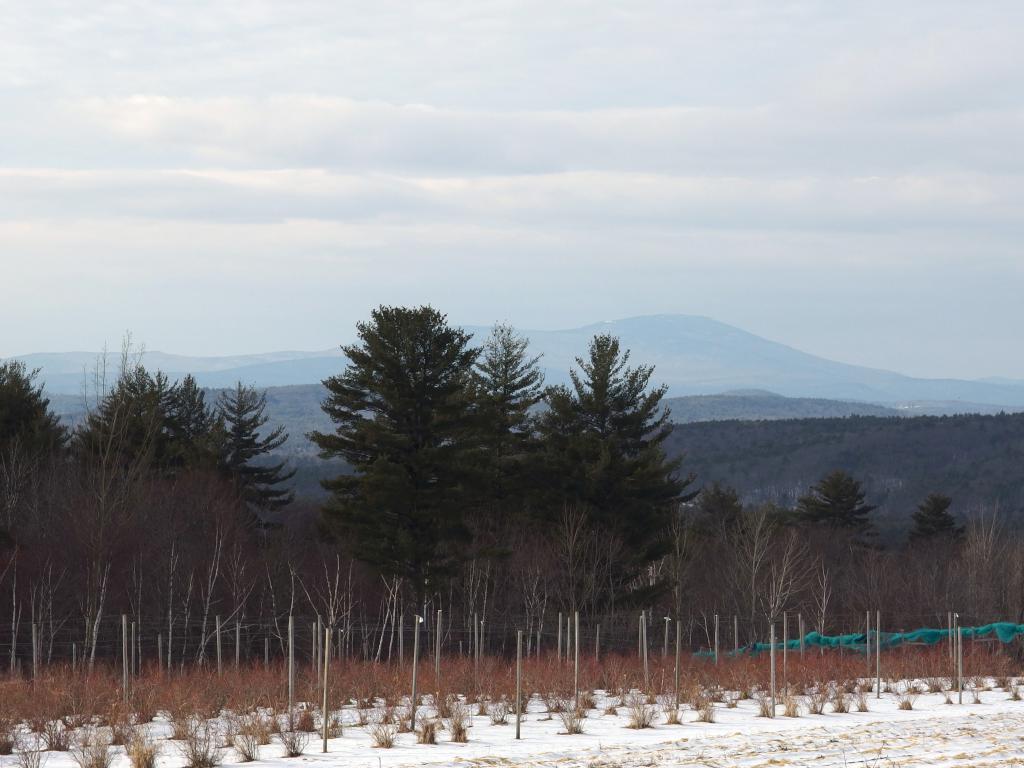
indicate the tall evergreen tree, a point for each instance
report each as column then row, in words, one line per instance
column 133, row 420
column 837, row 501
column 403, row 421
column 242, row 414
column 507, row 385
column 25, row 415
column 603, row 453
column 720, row 506
column 933, row 520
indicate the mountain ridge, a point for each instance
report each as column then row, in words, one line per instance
column 692, row 355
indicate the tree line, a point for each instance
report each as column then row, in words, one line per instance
column 471, row 486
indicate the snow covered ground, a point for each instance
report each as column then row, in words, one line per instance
column 990, row 733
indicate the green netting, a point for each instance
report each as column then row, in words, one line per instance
column 1004, row 631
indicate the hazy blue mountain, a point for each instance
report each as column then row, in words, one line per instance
column 693, row 355
column 755, row 405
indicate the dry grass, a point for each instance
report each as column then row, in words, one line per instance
column 458, row 721
column 641, row 712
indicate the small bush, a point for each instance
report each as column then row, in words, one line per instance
column 706, row 710
column 201, row 745
column 382, row 734
column 816, row 699
column 1014, row 690
column 906, row 699
column 294, row 742
column 56, row 736
column 142, row 750
column 30, row 755
column 862, row 700
column 426, row 731
column 791, row 706
column 840, row 702
column 572, row 719
column 92, row 750
column 641, row 712
column 764, row 705
column 672, row 715
column 498, row 712
column 458, row 722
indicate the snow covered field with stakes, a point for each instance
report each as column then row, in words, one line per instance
column 620, row 710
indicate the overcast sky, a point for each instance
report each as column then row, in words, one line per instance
column 227, row 177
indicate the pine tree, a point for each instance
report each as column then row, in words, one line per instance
column 25, row 416
column 404, row 423
column 603, row 453
column 933, row 520
column 507, row 385
column 195, row 431
column 241, row 413
column 133, row 421
column 837, row 501
column 720, row 506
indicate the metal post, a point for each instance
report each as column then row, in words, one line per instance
column 785, row 652
column 559, row 655
column 318, row 647
column 35, row 650
column 217, row 620
column 437, row 649
column 643, row 634
column 664, row 647
column 878, row 654
column 416, row 620
column 576, row 660
column 597, row 644
column 771, row 644
column 568, row 635
column 678, row 631
column 867, row 638
column 238, row 643
column 124, row 656
column 519, row 680
column 323, row 710
column 736, row 634
column 291, row 669
column 160, row 651
column 800, row 629
column 716, row 639
column 131, row 666
column 960, row 659
column 266, row 652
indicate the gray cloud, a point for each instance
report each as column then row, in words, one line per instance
column 836, row 175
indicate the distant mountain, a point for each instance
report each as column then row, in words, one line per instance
column 692, row 355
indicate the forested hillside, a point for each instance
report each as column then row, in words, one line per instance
column 977, row 460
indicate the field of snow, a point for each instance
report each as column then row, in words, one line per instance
column 934, row 733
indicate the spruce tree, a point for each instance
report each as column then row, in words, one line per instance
column 404, row 422
column 603, row 454
column 837, row 501
column 242, row 414
column 507, row 385
column 933, row 520
column 25, row 416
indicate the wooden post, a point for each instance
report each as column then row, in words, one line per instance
column 415, row 661
column 219, row 657
column 160, row 651
column 132, row 668
column 597, row 644
column 664, row 647
column 291, row 670
column 323, row 709
column 736, row 634
column 318, row 645
column 771, row 651
column 800, row 629
column 238, row 643
column 519, row 681
column 867, row 638
column 266, row 652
